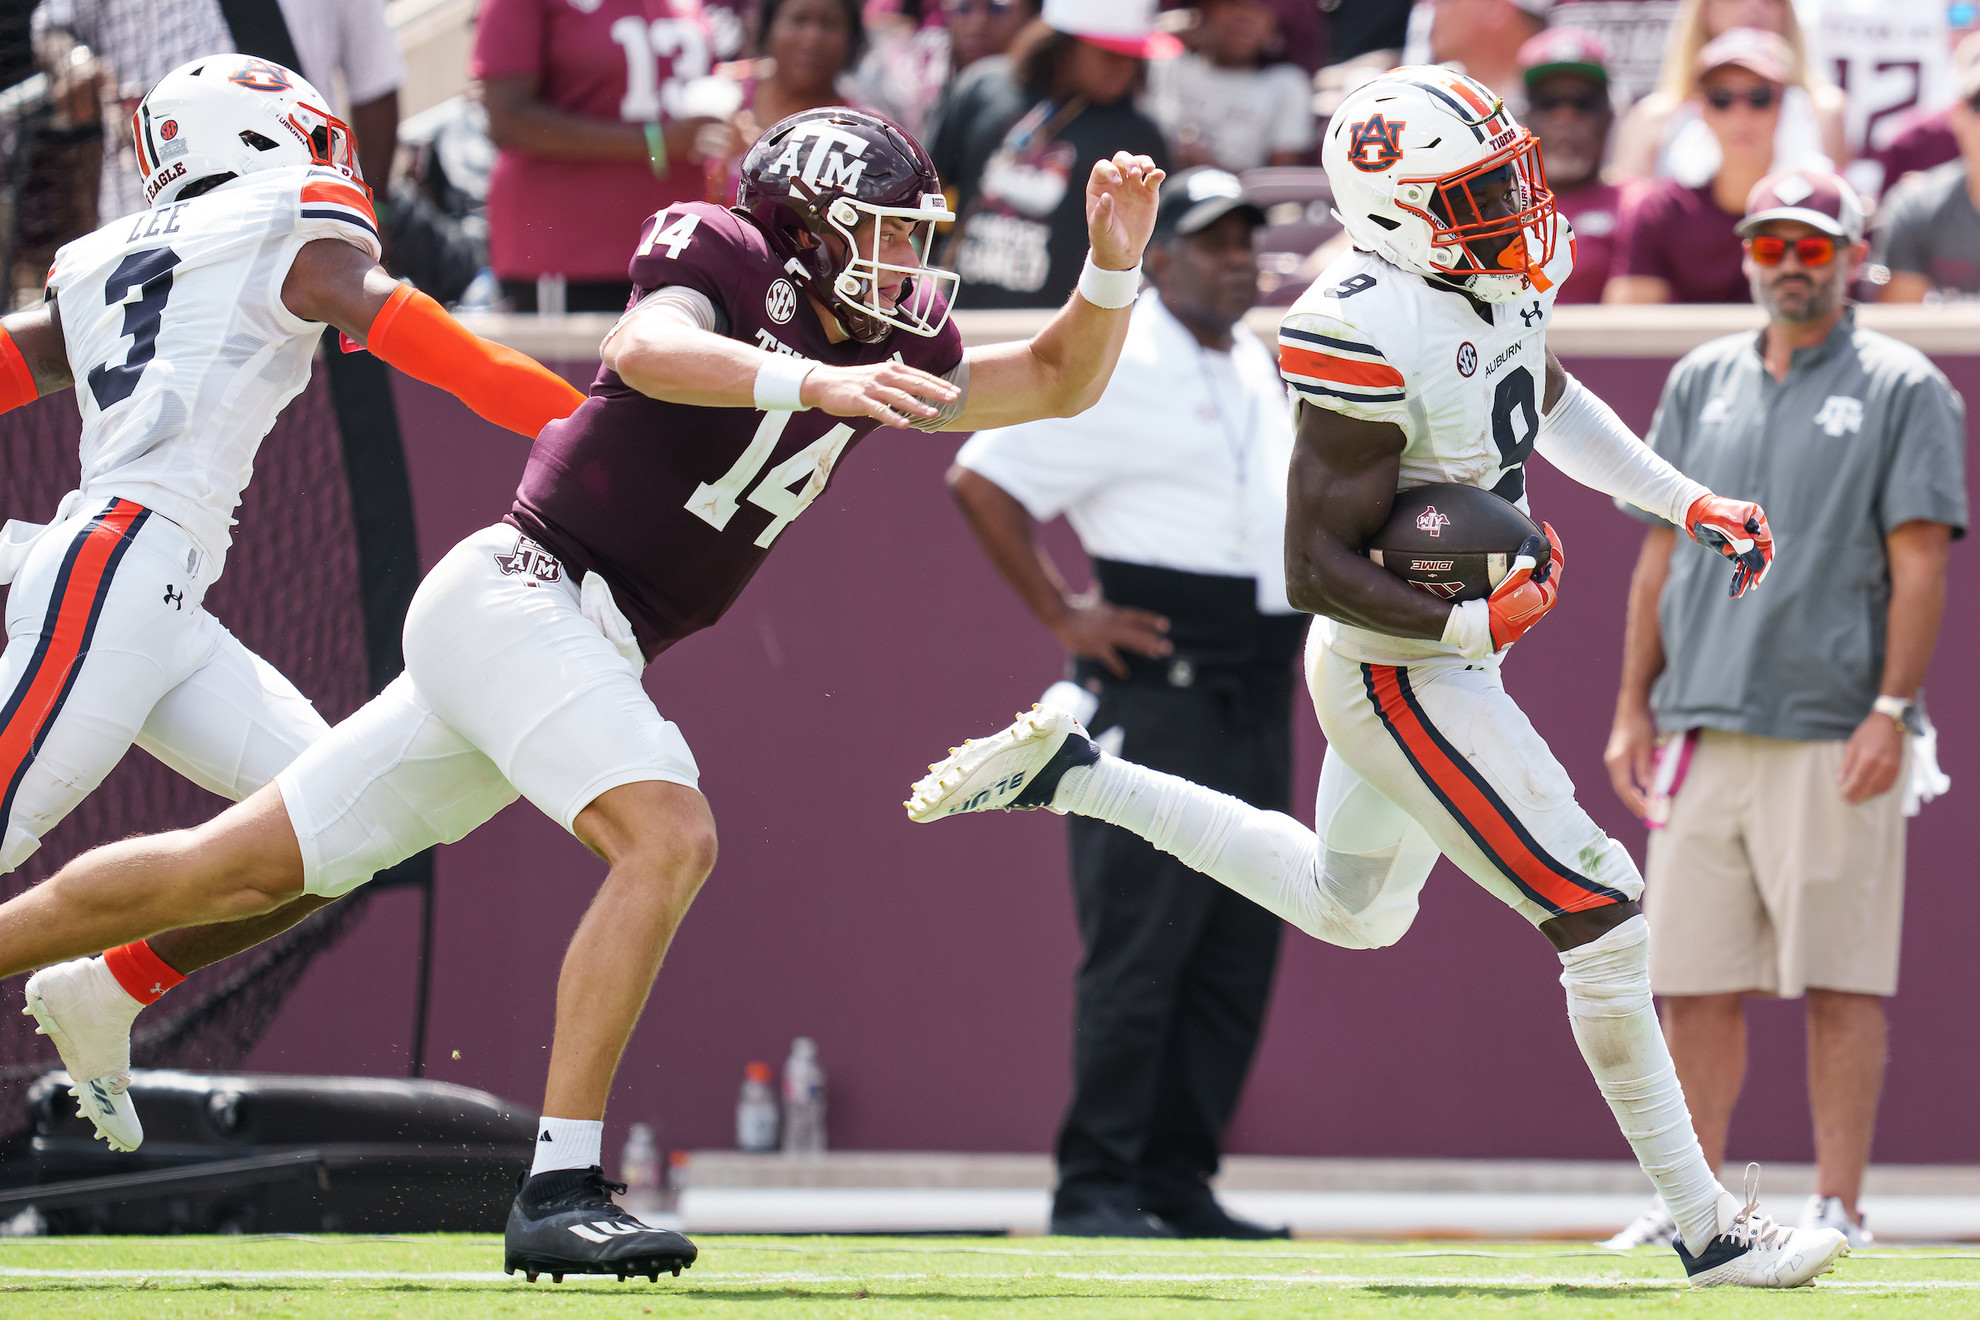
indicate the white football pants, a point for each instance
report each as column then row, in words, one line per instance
column 108, row 644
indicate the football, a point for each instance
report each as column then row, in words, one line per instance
column 1455, row 542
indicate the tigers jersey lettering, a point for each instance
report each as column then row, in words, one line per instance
column 182, row 349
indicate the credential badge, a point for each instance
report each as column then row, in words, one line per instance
column 780, row 302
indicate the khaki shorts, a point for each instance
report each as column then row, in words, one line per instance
column 1766, row 881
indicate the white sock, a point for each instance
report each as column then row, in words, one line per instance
column 567, row 1143
column 1267, row 856
column 1608, row 996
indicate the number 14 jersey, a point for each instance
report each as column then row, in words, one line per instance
column 182, row 350
column 1463, row 380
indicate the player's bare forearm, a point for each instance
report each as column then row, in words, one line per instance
column 663, row 358
column 37, row 333
column 1003, row 528
column 186, row 951
column 1643, row 635
column 1917, row 552
column 1059, row 372
column 1340, row 489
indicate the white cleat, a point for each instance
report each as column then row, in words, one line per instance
column 1014, row 769
column 1827, row 1212
column 1653, row 1228
column 88, row 1015
column 1752, row 1251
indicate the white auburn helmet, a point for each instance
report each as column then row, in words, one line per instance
column 233, row 114
column 1402, row 153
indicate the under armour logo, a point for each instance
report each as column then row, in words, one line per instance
column 174, row 598
column 1527, row 318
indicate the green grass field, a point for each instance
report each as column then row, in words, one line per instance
column 458, row 1276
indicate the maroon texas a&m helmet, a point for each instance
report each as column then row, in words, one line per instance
column 823, row 172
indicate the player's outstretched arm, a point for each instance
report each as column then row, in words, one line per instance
column 1583, row 437
column 33, row 358
column 335, row 283
column 1064, row 368
column 657, row 350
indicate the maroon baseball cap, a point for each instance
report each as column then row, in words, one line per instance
column 1564, row 50
column 1814, row 197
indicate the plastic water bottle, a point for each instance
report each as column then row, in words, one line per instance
column 639, row 1170
column 756, row 1112
column 804, row 1100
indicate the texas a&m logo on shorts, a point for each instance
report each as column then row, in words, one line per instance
column 1373, row 144
column 530, row 560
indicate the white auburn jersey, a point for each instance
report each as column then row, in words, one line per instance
column 181, row 348
column 1463, row 379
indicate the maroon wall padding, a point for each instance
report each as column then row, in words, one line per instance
column 934, row 963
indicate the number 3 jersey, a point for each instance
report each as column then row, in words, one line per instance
column 182, row 350
column 1463, row 379
column 676, row 505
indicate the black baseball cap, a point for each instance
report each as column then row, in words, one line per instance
column 1198, row 197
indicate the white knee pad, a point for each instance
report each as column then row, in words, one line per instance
column 1610, row 977
column 1354, row 891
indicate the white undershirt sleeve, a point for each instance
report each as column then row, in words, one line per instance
column 1585, row 439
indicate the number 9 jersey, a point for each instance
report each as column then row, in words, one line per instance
column 1461, row 377
column 182, row 350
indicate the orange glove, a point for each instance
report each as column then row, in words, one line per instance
column 1529, row 591
column 510, row 389
column 1737, row 531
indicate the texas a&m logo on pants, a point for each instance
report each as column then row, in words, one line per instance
column 1373, row 144
column 531, row 561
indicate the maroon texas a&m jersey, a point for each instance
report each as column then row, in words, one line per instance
column 676, row 505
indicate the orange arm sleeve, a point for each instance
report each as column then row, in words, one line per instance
column 510, row 389
column 16, row 380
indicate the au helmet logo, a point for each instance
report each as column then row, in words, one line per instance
column 1431, row 521
column 1373, row 144
column 780, row 303
column 261, row 76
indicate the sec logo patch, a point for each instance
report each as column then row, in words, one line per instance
column 1467, row 360
column 169, row 129
column 780, row 303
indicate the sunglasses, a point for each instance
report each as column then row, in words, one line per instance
column 1760, row 98
column 1588, row 103
column 1812, row 252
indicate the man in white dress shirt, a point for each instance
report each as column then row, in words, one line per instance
column 1183, row 653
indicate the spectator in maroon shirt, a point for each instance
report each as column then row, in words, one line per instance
column 586, row 104
column 1568, row 107
column 1678, row 243
column 1924, row 137
column 808, row 47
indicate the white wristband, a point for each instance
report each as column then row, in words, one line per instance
column 779, row 382
column 1469, row 629
column 1112, row 289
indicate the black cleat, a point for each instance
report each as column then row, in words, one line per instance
column 564, row 1222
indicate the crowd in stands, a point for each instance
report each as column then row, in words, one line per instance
column 1656, row 118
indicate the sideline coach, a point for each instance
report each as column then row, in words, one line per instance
column 1176, row 484
column 1780, row 867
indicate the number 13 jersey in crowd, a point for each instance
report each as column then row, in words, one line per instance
column 676, row 505
column 182, row 350
column 1463, row 379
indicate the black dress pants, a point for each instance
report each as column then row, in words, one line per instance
column 1172, row 992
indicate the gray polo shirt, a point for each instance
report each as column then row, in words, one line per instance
column 1864, row 434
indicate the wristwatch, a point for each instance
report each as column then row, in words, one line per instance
column 1903, row 713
